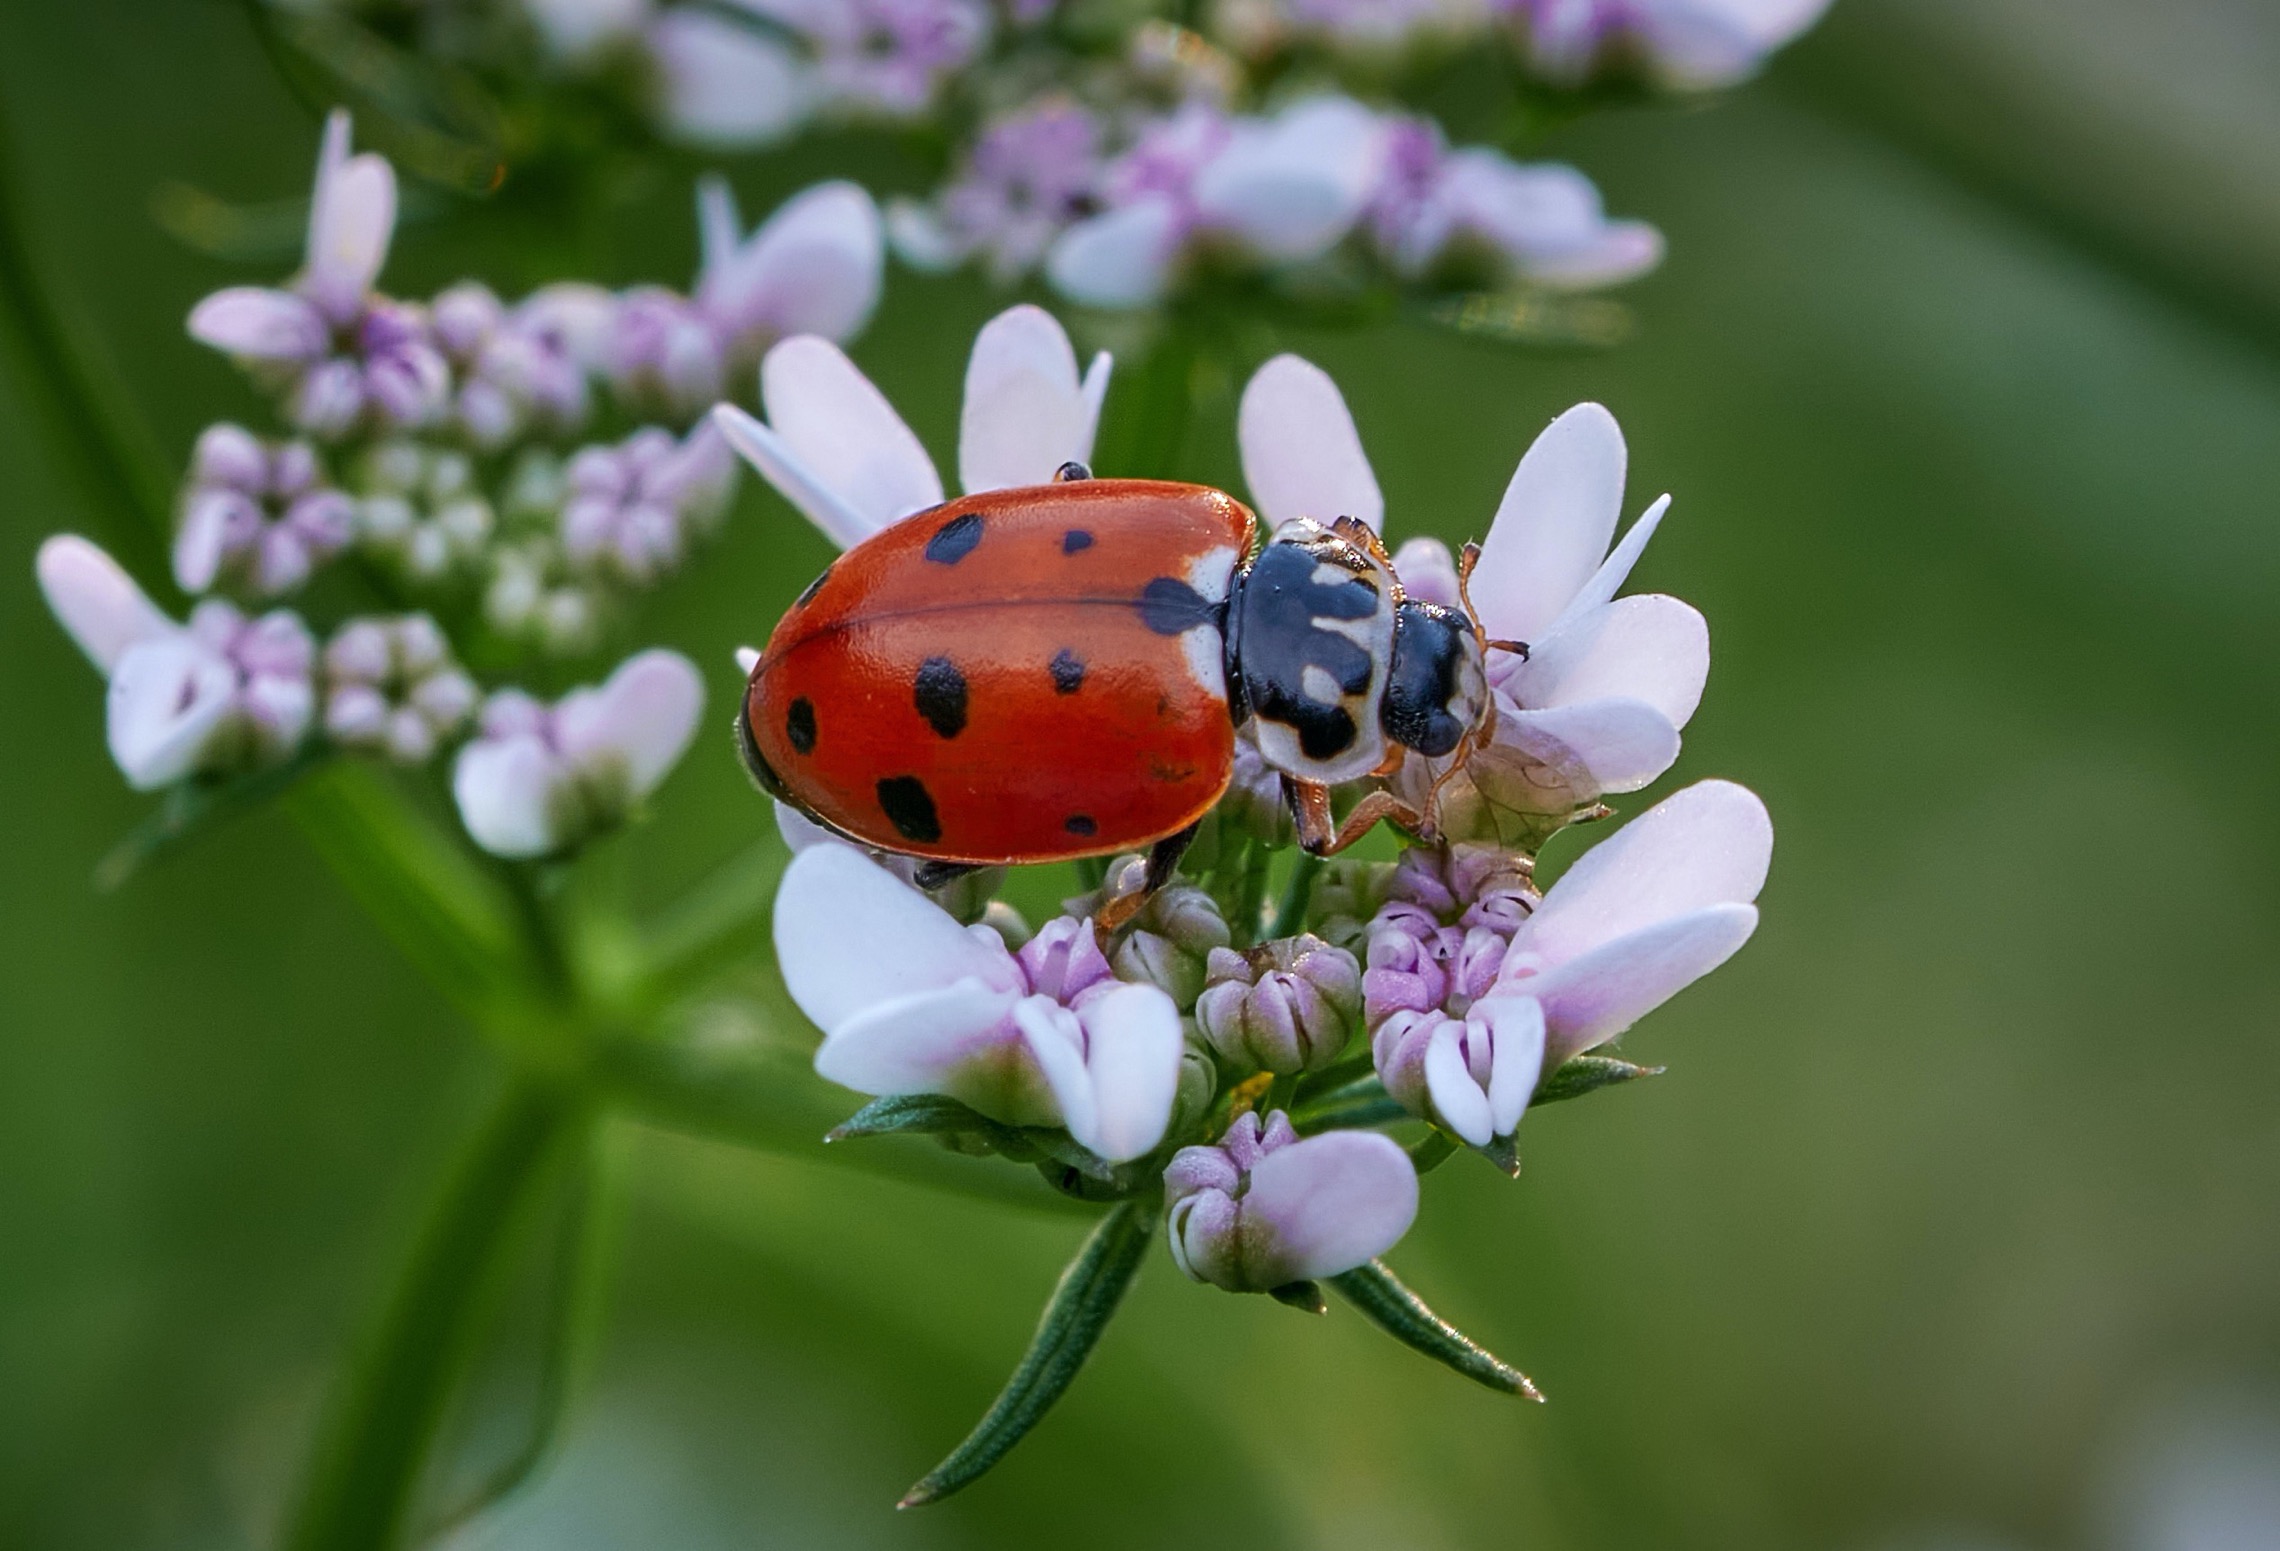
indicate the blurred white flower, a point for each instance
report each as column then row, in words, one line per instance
column 215, row 696
column 722, row 84
column 632, row 510
column 1028, row 178
column 1541, row 223
column 515, row 366
column 1265, row 1207
column 256, row 514
column 912, row 1002
column 391, row 686
column 340, row 354
column 1275, row 190
column 811, row 268
column 419, row 506
column 836, row 449
column 1682, row 44
column 540, row 779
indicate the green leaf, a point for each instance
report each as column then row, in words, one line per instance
column 1356, row 1105
column 192, row 808
column 1401, row 1314
column 1579, row 1075
column 1080, row 1310
column 932, row 1114
column 384, row 1414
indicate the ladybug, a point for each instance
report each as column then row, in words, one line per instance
column 1056, row 671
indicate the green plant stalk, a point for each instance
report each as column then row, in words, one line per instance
column 111, row 464
column 358, row 1484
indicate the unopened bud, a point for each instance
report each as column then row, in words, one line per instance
column 1287, row 1006
column 1265, row 1207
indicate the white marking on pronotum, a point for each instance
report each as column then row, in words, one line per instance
column 1320, row 685
column 1202, row 646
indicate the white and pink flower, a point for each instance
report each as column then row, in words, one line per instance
column 1264, row 1207
column 911, row 1002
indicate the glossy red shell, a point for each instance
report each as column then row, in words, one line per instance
column 996, row 679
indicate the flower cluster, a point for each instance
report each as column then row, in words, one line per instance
column 748, row 73
column 1677, row 45
column 448, row 451
column 1222, row 1069
column 1117, row 209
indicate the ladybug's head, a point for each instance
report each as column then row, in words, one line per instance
column 1436, row 687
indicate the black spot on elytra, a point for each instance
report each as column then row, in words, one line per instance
column 1170, row 606
column 799, row 725
column 807, row 593
column 955, row 539
column 940, row 694
column 909, row 807
column 1068, row 672
column 1079, row 824
column 1074, row 540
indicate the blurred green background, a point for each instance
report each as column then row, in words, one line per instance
column 1965, row 371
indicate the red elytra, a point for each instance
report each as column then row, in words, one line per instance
column 1021, row 676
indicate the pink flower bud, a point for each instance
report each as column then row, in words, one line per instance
column 1265, row 1207
column 1287, row 1006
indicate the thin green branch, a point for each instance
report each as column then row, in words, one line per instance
column 358, row 1484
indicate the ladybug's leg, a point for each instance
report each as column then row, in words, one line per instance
column 940, row 875
column 1163, row 860
column 1319, row 833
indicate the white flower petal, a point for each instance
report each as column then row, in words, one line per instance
column 642, row 716
column 1614, row 254
column 1592, row 998
column 1332, row 1202
column 844, row 432
column 1615, row 570
column 260, row 325
column 172, row 704
column 812, row 268
column 1132, row 1050
column 1025, row 413
column 1119, row 259
column 352, row 217
column 1612, row 745
column 916, row 1043
column 1516, row 1034
column 1458, row 1102
column 1290, row 189
column 1553, row 526
column 794, row 481
column 1095, row 392
column 1302, row 456
column 1062, row 1066
column 850, row 935
column 1648, row 647
column 1709, row 844
column 96, row 601
column 509, row 795
column 747, row 658
column 724, row 86
column 919, row 238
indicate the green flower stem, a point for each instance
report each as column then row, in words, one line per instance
column 723, row 916
column 113, row 462
column 1080, row 1309
column 1298, row 892
column 359, row 1483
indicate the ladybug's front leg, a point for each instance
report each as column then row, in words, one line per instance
column 1319, row 833
column 1163, row 860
